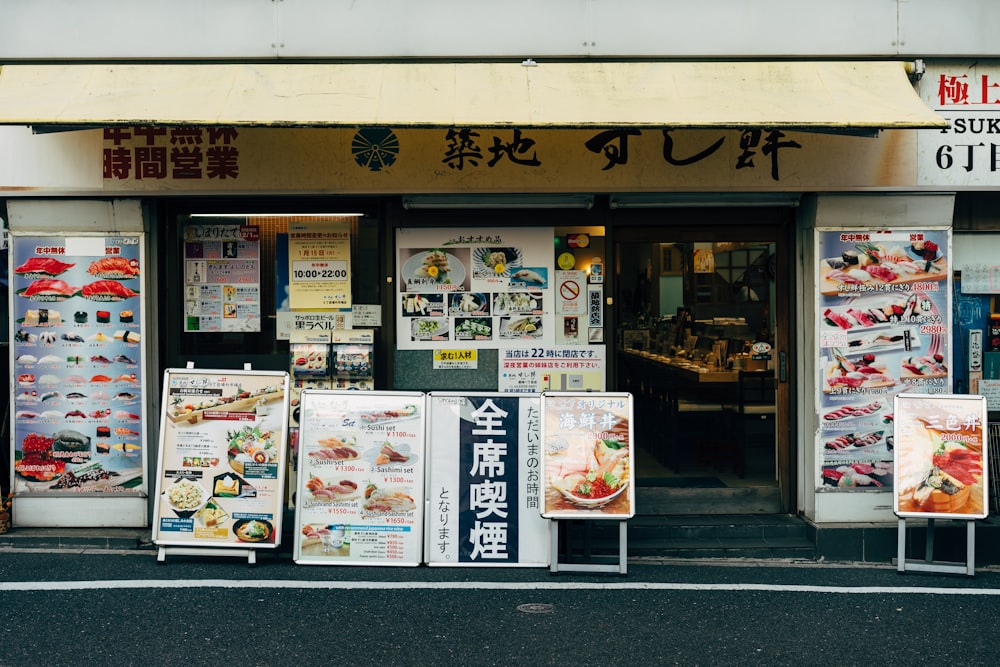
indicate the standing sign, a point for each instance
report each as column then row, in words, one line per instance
column 587, row 463
column 359, row 498
column 220, row 478
column 483, row 481
column 941, row 451
column 77, row 365
column 884, row 327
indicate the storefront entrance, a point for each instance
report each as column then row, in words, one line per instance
column 702, row 342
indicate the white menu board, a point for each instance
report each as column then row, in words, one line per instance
column 359, row 497
column 484, row 479
column 221, row 471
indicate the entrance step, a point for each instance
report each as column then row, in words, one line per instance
column 721, row 536
column 693, row 537
column 669, row 501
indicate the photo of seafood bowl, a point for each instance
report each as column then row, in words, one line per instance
column 595, row 479
column 185, row 497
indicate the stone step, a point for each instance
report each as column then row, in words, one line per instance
column 695, row 537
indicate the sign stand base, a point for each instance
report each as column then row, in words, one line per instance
column 621, row 567
column 928, row 564
column 250, row 554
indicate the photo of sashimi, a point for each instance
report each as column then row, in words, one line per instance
column 107, row 290
column 43, row 266
column 874, row 311
column 48, row 289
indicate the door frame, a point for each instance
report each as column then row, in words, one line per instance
column 760, row 223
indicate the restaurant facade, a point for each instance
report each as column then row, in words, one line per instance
column 672, row 229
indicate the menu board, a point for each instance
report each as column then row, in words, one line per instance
column 221, row 470
column 588, row 468
column 221, row 278
column 484, row 478
column 359, row 497
column 941, row 452
column 884, row 327
column 464, row 288
column 77, row 365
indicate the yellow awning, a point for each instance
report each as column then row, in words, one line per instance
column 846, row 96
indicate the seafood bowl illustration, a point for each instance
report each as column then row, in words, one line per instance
column 570, row 485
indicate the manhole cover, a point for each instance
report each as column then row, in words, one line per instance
column 535, row 608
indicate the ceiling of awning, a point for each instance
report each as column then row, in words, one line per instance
column 818, row 96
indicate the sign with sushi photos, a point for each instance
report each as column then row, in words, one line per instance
column 942, row 447
column 473, row 289
column 221, row 467
column 884, row 304
column 77, row 365
column 359, row 496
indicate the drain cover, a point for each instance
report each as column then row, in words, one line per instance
column 535, row 608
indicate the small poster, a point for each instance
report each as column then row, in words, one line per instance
column 319, row 256
column 524, row 370
column 941, row 456
column 482, row 497
column 220, row 476
column 359, row 497
column 587, row 461
column 221, row 278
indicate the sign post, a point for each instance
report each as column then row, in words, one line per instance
column 941, row 468
column 220, row 474
column 588, row 469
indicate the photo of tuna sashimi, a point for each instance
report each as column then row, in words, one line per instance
column 866, row 372
column 48, row 289
column 39, row 267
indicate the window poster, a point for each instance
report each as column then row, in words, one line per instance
column 587, row 462
column 884, row 322
column 484, row 481
column 319, row 257
column 552, row 367
column 466, row 288
column 221, row 469
column 77, row 365
column 941, row 452
column 221, row 278
column 359, row 498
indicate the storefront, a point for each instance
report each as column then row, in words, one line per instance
column 548, row 242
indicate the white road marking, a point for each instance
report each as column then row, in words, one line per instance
column 478, row 585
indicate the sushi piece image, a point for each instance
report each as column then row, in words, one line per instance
column 48, row 266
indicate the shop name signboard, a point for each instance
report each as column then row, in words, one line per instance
column 967, row 154
column 227, row 160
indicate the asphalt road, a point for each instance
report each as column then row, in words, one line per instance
column 125, row 608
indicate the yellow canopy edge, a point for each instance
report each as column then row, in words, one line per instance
column 825, row 95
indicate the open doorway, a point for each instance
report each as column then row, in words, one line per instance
column 702, row 314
